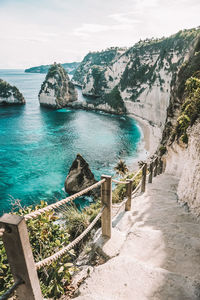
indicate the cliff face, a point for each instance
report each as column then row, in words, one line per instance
column 143, row 75
column 181, row 136
column 10, row 95
column 91, row 67
column 57, row 90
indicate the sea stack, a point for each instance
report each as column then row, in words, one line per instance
column 57, row 90
column 80, row 176
column 10, row 95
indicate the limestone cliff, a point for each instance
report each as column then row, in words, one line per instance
column 92, row 65
column 143, row 75
column 10, row 95
column 181, row 136
column 57, row 90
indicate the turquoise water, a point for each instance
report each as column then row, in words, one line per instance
column 38, row 145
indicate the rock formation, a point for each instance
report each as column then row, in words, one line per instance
column 79, row 177
column 143, row 75
column 57, row 90
column 181, row 136
column 10, row 95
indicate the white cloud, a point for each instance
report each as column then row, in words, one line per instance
column 86, row 29
column 43, row 31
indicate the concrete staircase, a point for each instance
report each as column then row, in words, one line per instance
column 160, row 254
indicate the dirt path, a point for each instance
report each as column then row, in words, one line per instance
column 160, row 255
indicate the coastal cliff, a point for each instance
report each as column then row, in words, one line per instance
column 57, row 90
column 142, row 74
column 10, row 95
column 181, row 135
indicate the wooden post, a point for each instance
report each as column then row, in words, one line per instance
column 156, row 167
column 144, row 174
column 150, row 172
column 129, row 195
column 20, row 256
column 106, row 199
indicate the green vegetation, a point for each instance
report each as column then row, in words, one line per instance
column 69, row 67
column 7, row 90
column 96, row 59
column 121, row 168
column 47, row 236
column 57, row 72
column 157, row 53
column 162, row 150
column 120, row 190
column 190, row 110
column 114, row 100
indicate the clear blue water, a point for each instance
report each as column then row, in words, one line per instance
column 38, row 145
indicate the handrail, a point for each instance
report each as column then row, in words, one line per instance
column 61, row 252
column 119, row 181
column 18, row 229
column 40, row 211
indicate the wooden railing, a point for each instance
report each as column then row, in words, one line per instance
column 13, row 230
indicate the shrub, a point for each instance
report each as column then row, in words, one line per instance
column 46, row 237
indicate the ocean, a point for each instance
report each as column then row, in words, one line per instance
column 38, row 145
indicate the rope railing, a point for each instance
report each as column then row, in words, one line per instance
column 54, row 257
column 119, row 205
column 137, row 188
column 13, row 228
column 119, row 181
column 40, row 211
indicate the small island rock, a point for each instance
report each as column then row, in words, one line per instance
column 10, row 95
column 79, row 177
column 57, row 90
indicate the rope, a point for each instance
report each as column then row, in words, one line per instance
column 137, row 188
column 137, row 173
column 40, row 211
column 120, row 205
column 119, row 182
column 2, row 230
column 54, row 257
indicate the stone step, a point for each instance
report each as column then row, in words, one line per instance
column 124, row 278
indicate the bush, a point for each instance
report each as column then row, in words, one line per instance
column 190, row 110
column 46, row 237
column 120, row 191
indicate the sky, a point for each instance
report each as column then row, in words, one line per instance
column 35, row 32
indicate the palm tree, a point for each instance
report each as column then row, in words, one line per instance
column 121, row 168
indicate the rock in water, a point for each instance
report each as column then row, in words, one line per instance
column 57, row 90
column 79, row 177
column 10, row 95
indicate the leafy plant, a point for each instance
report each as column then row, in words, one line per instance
column 121, row 168
column 190, row 110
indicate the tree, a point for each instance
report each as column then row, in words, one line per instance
column 121, row 168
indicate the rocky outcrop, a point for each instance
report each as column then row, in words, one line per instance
column 10, row 95
column 79, row 177
column 143, row 75
column 57, row 90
